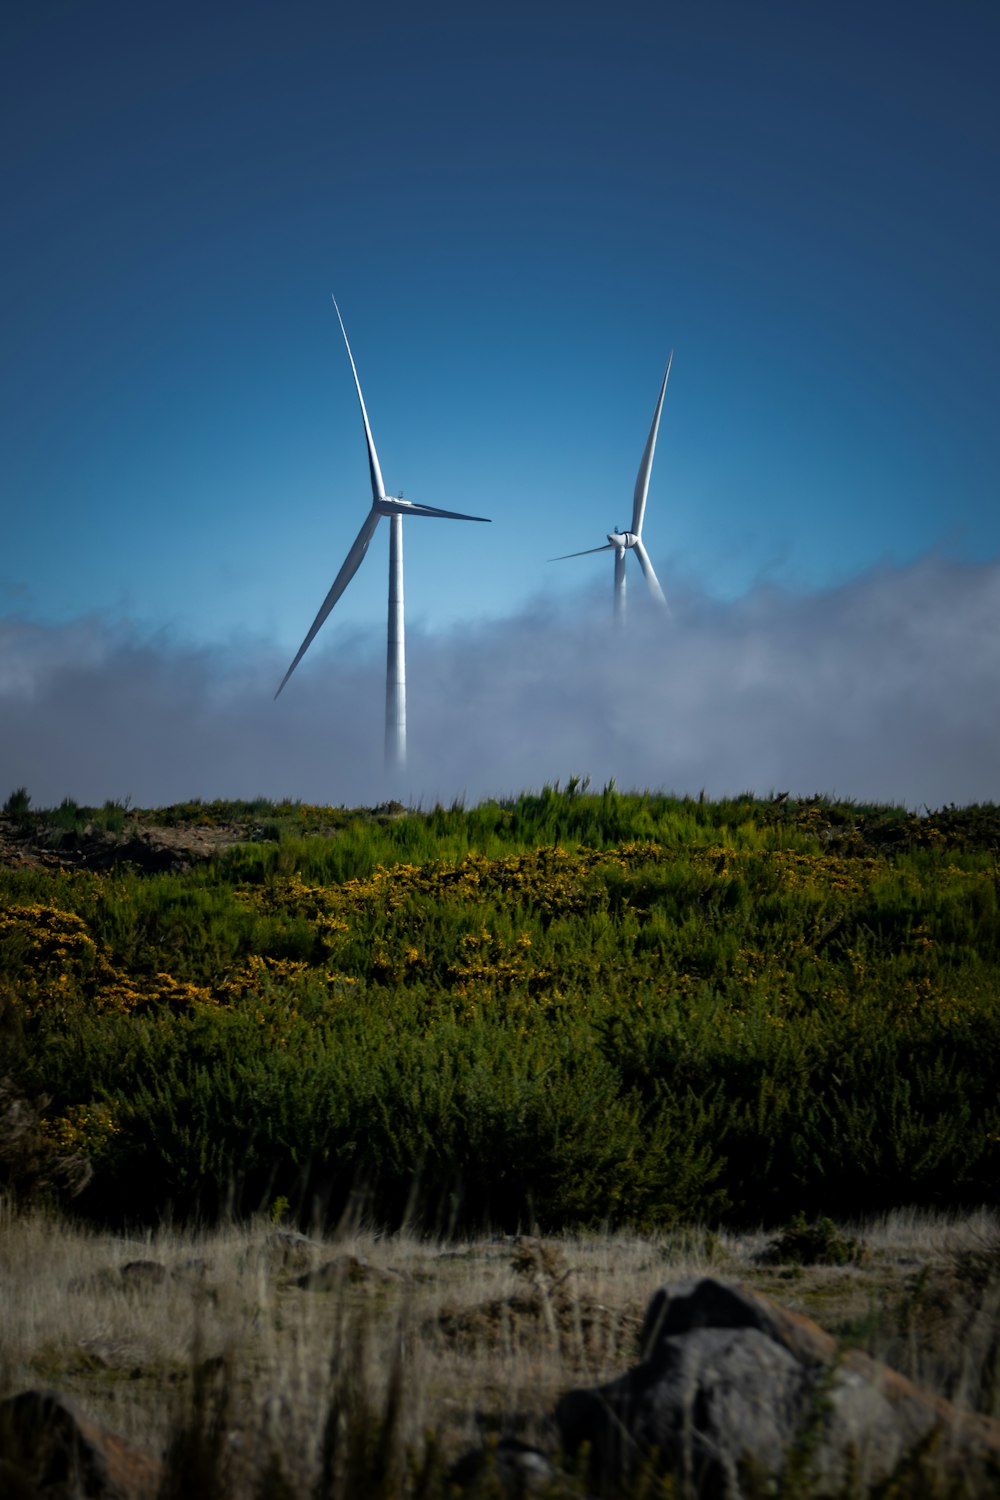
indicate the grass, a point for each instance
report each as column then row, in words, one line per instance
column 436, row 1348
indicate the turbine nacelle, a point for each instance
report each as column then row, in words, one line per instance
column 622, row 539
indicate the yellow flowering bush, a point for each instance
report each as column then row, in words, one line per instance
column 689, row 1005
column 88, row 1129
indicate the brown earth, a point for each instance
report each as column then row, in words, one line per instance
column 146, row 846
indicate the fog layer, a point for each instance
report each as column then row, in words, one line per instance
column 886, row 688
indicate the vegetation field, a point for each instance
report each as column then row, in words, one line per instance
column 563, row 1010
column 398, row 1373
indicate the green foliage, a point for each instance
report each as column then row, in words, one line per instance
column 35, row 1166
column 809, row 1243
column 111, row 817
column 569, row 1008
column 68, row 816
column 17, row 804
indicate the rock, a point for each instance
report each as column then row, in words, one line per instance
column 142, row 1275
column 735, row 1391
column 136, row 1276
column 283, row 1251
column 49, row 1452
column 14, row 1485
column 518, row 1468
column 346, row 1270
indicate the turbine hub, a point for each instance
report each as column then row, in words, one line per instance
column 622, row 539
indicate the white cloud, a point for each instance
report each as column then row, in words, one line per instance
column 886, row 688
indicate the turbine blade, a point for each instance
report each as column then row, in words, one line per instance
column 651, row 578
column 642, row 480
column 378, row 488
column 390, row 507
column 608, row 547
column 350, row 566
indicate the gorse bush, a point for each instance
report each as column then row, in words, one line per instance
column 572, row 1008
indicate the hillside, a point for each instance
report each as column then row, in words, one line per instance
column 565, row 1008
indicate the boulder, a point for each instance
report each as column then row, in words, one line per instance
column 282, row 1252
column 143, row 1275
column 346, row 1270
column 49, row 1452
column 734, row 1392
column 516, row 1468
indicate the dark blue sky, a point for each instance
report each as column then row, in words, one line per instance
column 521, row 210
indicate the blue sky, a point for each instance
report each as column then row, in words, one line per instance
column 521, row 210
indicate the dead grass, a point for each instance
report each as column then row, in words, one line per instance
column 484, row 1336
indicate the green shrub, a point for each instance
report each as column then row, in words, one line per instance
column 683, row 1011
column 68, row 816
column 17, row 804
column 809, row 1243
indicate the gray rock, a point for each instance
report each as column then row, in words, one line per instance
column 519, row 1469
column 282, row 1252
column 142, row 1275
column 734, row 1391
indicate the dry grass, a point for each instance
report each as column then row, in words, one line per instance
column 481, row 1336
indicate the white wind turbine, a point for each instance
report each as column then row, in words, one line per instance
column 395, row 508
column 620, row 542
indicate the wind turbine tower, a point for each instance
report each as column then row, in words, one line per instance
column 395, row 508
column 620, row 542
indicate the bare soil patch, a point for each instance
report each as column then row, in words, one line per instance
column 146, row 846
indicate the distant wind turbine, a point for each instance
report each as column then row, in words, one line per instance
column 620, row 542
column 395, row 508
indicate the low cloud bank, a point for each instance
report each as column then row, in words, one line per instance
column 886, row 688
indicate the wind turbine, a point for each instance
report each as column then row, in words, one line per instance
column 620, row 542
column 395, row 507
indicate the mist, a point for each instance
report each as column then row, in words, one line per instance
column 885, row 688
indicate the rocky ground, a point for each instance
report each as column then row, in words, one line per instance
column 491, row 1338
column 141, row 843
